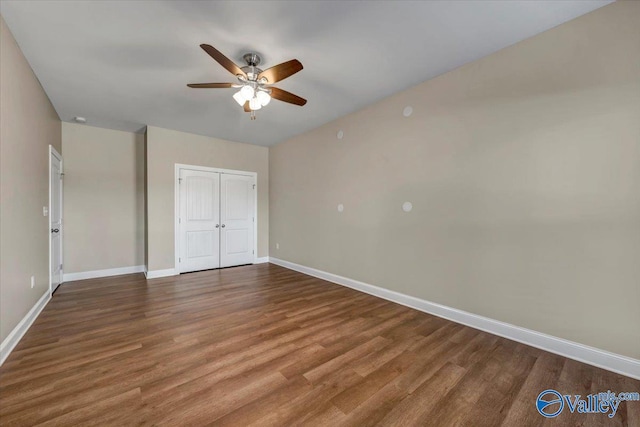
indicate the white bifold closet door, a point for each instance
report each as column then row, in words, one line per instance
column 236, row 216
column 216, row 220
column 199, row 220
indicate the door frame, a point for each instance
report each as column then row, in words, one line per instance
column 176, row 210
column 54, row 152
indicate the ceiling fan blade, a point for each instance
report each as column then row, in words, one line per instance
column 285, row 96
column 223, row 60
column 246, row 107
column 210, row 85
column 281, row 71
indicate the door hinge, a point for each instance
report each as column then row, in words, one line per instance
column 60, row 266
column 253, row 252
column 254, row 186
column 179, row 180
column 179, row 259
column 61, row 175
column 254, row 219
column 179, row 220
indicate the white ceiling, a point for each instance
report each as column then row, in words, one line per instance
column 125, row 64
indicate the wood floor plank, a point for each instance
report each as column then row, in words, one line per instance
column 261, row 408
column 543, row 375
column 354, row 396
column 632, row 408
column 263, row 345
column 316, row 399
column 416, row 408
column 319, row 372
column 466, row 397
column 374, row 409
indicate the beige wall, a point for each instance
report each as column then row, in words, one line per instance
column 524, row 172
column 164, row 149
column 28, row 125
column 103, row 198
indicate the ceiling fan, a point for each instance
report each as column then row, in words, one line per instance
column 254, row 83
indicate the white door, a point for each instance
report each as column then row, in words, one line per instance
column 199, row 220
column 55, row 219
column 236, row 219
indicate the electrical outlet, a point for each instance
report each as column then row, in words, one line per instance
column 277, row 245
column 33, row 281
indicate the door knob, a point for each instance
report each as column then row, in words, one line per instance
column 217, row 225
column 55, row 230
column 222, row 225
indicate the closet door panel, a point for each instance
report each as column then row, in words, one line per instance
column 199, row 220
column 237, row 219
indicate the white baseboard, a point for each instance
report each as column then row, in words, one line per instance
column 154, row 274
column 261, row 260
column 68, row 277
column 10, row 342
column 573, row 350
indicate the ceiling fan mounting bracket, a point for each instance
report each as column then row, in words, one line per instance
column 252, row 59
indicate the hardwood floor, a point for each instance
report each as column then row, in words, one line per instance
column 263, row 345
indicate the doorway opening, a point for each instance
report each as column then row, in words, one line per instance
column 56, row 224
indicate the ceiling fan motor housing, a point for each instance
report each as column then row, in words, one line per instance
column 252, row 72
column 251, row 69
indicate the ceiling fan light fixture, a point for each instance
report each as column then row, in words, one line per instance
column 248, row 92
column 263, row 97
column 239, row 97
column 255, row 104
